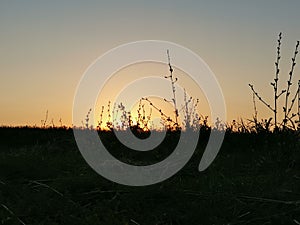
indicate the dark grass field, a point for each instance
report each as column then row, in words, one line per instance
column 255, row 179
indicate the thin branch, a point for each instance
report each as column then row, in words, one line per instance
column 133, row 221
column 269, row 200
column 254, row 106
column 275, row 84
column 160, row 111
column 52, row 189
column 260, row 99
column 12, row 213
column 299, row 104
column 173, row 81
column 293, row 101
column 289, row 83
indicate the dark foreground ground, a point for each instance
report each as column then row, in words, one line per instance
column 255, row 179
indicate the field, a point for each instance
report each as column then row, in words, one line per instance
column 255, row 179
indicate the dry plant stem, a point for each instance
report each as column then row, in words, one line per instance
column 194, row 114
column 186, row 104
column 299, row 104
column 52, row 189
column 289, row 84
column 114, row 112
column 275, row 84
column 260, row 99
column 123, row 114
column 130, row 123
column 287, row 121
column 139, row 113
column 144, row 121
column 87, row 119
column 108, row 111
column 254, row 106
column 296, row 222
column 160, row 111
column 47, row 186
column 13, row 214
column 189, row 111
column 45, row 121
column 173, row 81
column 187, row 116
column 101, row 117
column 293, row 101
column 133, row 221
column 149, row 117
column 109, row 123
column 269, row 200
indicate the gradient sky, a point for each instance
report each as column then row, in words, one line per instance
column 46, row 46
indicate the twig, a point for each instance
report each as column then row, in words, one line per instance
column 103, row 192
column 296, row 222
column 289, row 84
column 275, row 84
column 134, row 222
column 244, row 214
column 173, row 81
column 293, row 100
column 109, row 124
column 269, row 200
column 260, row 99
column 254, row 107
column 277, row 94
column 299, row 104
column 160, row 111
column 87, row 118
column 101, row 118
column 45, row 121
column 47, row 186
column 52, row 189
column 13, row 214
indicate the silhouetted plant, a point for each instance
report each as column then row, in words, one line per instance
column 87, row 118
column 52, row 123
column 219, row 125
column 45, row 120
column 167, row 121
column 298, row 105
column 109, row 124
column 60, row 122
column 191, row 117
column 100, row 118
column 173, row 81
column 286, row 108
column 289, row 84
column 242, row 127
column 114, row 114
column 125, row 117
column 254, row 107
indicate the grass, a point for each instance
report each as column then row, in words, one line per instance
column 255, row 179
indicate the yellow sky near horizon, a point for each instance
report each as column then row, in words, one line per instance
column 138, row 80
column 47, row 46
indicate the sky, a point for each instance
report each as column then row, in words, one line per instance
column 46, row 46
